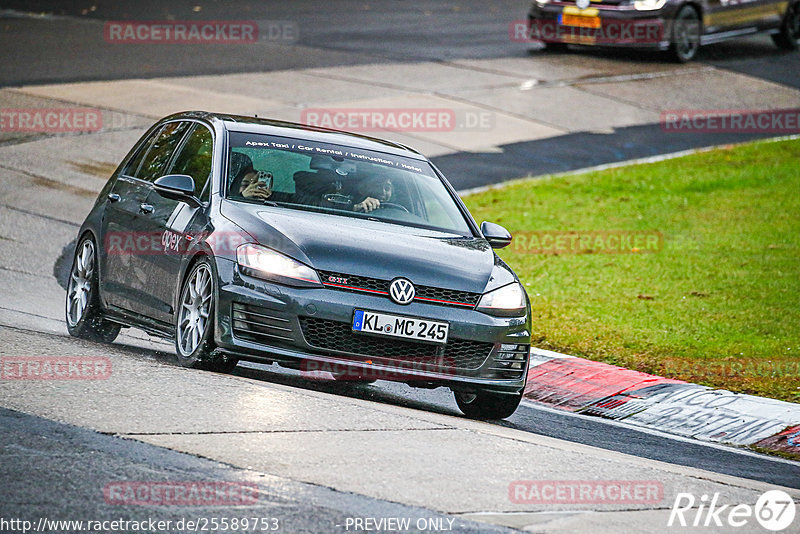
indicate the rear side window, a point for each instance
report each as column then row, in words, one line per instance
column 153, row 165
column 136, row 161
column 195, row 158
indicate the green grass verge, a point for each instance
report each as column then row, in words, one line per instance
column 719, row 304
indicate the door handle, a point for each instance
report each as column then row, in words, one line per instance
column 146, row 208
column 113, row 197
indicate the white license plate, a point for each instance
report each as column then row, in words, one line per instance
column 397, row 326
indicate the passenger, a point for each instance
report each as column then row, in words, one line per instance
column 256, row 185
column 246, row 182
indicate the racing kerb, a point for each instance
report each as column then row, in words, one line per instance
column 690, row 410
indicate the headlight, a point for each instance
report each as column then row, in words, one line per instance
column 648, row 5
column 256, row 260
column 508, row 301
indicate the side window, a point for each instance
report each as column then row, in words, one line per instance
column 195, row 158
column 160, row 153
column 136, row 160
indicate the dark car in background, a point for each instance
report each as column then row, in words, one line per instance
column 679, row 26
column 249, row 239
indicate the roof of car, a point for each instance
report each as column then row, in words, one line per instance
column 241, row 123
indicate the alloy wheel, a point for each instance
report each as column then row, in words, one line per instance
column 195, row 310
column 79, row 290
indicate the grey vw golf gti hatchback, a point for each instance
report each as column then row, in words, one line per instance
column 319, row 250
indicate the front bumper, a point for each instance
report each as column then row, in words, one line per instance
column 310, row 329
column 616, row 25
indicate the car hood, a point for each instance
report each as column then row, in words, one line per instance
column 355, row 246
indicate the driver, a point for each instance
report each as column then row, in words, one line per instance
column 374, row 191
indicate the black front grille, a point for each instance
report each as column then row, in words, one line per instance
column 431, row 295
column 448, row 295
column 339, row 337
column 254, row 323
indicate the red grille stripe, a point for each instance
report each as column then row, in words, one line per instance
column 357, row 288
column 444, row 301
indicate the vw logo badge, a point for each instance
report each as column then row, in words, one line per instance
column 402, row 291
column 582, row 4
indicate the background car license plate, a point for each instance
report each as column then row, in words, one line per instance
column 580, row 21
column 396, row 326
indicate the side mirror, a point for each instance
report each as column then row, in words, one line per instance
column 177, row 187
column 496, row 235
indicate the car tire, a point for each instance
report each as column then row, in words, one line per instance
column 486, row 405
column 82, row 307
column 194, row 327
column 788, row 38
column 685, row 35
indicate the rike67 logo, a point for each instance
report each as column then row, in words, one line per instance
column 774, row 510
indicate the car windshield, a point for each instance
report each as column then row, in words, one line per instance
column 340, row 180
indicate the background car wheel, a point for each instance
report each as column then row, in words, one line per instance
column 685, row 35
column 789, row 36
column 485, row 405
column 84, row 319
column 194, row 330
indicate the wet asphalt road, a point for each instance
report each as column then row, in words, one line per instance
column 68, row 45
column 60, row 473
column 65, row 44
column 561, row 425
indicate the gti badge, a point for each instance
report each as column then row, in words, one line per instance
column 582, row 4
column 402, row 291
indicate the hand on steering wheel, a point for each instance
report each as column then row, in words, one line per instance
column 370, row 204
column 393, row 205
column 367, row 205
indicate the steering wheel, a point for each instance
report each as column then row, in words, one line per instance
column 392, row 205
